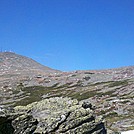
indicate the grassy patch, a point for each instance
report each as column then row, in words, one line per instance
column 100, row 83
column 33, row 94
column 84, row 95
column 118, row 83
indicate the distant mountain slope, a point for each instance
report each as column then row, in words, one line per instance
column 11, row 62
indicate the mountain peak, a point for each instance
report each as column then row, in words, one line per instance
column 10, row 62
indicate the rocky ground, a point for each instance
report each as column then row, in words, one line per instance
column 52, row 116
column 110, row 91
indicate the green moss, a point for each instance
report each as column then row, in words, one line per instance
column 64, row 85
column 84, row 95
column 111, row 83
column 118, row 83
column 33, row 94
column 100, row 83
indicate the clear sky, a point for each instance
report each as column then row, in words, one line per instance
column 70, row 34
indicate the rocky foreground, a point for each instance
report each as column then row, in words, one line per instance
column 52, row 116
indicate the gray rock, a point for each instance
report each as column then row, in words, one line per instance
column 55, row 115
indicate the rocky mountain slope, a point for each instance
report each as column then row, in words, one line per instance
column 14, row 63
column 110, row 91
column 14, row 67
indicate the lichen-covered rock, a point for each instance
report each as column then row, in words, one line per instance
column 56, row 115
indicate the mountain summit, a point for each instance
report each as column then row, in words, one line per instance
column 14, row 63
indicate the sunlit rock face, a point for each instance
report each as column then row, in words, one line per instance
column 55, row 115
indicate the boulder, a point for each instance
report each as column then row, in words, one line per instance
column 52, row 116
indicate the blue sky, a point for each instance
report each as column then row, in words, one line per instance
column 70, row 34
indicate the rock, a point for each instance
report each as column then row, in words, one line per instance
column 87, row 104
column 55, row 115
column 128, row 132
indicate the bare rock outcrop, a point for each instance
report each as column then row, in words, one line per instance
column 52, row 116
